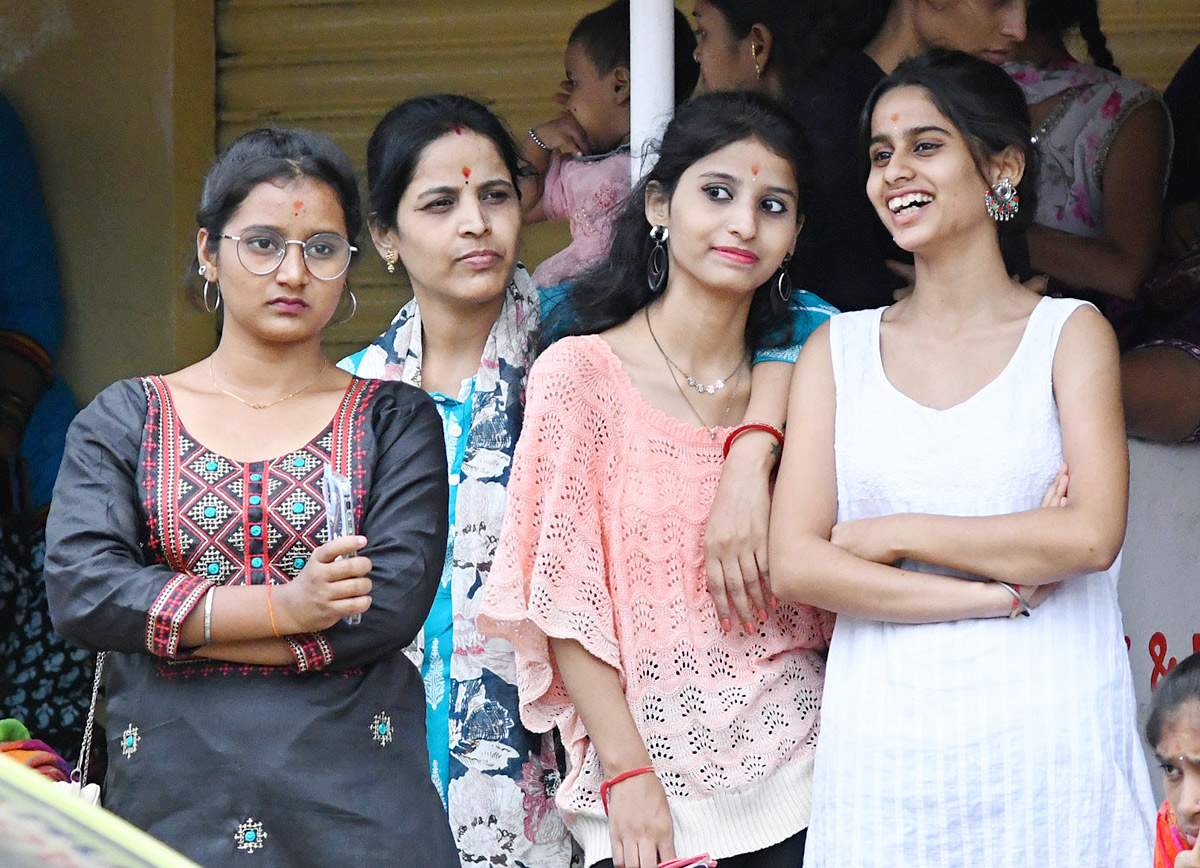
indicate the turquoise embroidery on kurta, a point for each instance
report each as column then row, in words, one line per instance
column 381, row 729
column 250, row 836
column 129, row 740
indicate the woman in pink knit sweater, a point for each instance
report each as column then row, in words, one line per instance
column 682, row 734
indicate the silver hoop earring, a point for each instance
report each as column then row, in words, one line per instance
column 1002, row 201
column 211, row 308
column 353, row 309
column 656, row 265
column 783, row 280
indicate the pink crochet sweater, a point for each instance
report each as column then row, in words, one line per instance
column 608, row 501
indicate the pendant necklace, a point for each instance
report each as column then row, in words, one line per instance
column 734, row 375
column 262, row 405
column 691, row 381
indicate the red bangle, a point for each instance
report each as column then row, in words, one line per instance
column 751, row 426
column 624, row 776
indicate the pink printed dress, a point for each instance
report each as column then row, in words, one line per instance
column 1074, row 140
column 589, row 192
column 608, row 502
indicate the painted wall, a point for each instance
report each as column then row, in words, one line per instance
column 117, row 99
column 1160, row 565
column 1151, row 38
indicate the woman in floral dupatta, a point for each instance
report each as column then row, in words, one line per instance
column 443, row 202
column 441, row 172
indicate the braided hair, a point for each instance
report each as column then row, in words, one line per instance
column 1056, row 17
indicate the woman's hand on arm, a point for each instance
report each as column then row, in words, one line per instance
column 880, row 539
column 323, row 593
column 405, row 521
column 391, row 582
column 1119, row 261
column 1041, row 545
column 808, row 568
column 639, row 817
column 735, row 538
column 327, row 589
column 244, row 618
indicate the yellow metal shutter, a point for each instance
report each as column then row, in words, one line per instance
column 1150, row 38
column 337, row 67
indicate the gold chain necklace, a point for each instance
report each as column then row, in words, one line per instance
column 691, row 381
column 735, row 375
column 262, row 405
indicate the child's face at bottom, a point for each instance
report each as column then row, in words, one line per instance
column 1178, row 752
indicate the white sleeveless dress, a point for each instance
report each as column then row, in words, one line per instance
column 994, row 743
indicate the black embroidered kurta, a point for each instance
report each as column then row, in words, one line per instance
column 320, row 763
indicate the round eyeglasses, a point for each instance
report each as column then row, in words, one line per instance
column 261, row 251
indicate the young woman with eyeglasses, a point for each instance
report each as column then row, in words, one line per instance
column 258, row 699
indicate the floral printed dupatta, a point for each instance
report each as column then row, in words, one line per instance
column 502, row 777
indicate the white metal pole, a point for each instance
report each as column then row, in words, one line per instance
column 652, row 76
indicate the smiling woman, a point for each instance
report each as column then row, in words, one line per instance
column 822, row 58
column 188, row 541
column 958, row 460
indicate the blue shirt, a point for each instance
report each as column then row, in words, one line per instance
column 439, row 625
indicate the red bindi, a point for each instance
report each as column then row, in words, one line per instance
column 754, row 170
column 895, row 117
column 467, row 172
column 298, row 204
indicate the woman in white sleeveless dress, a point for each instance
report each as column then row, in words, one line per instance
column 977, row 427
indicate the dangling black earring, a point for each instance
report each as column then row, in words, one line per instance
column 783, row 282
column 656, row 266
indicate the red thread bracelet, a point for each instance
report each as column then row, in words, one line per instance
column 751, row 426
column 624, row 776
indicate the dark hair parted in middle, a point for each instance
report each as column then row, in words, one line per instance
column 604, row 35
column 400, row 139
column 1178, row 688
column 988, row 110
column 267, row 156
column 615, row 289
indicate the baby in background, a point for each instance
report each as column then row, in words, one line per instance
column 1173, row 730
column 581, row 159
